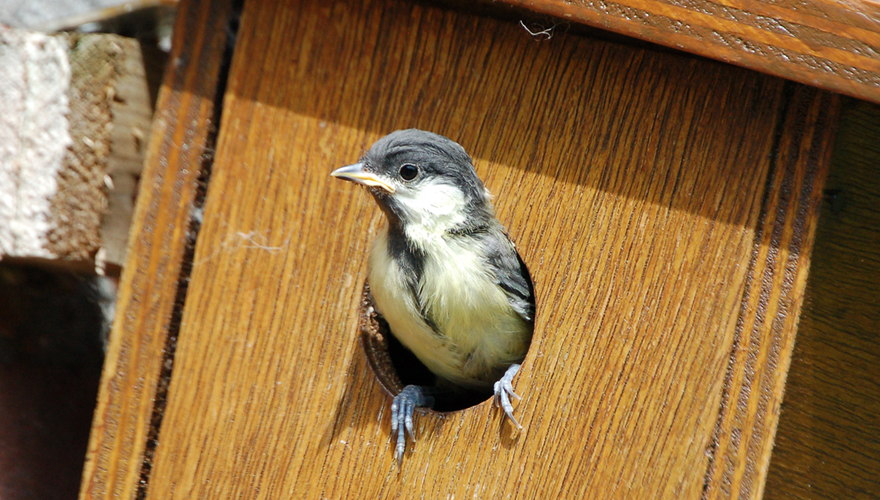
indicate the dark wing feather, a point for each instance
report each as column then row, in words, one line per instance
column 510, row 273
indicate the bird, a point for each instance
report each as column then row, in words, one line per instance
column 443, row 272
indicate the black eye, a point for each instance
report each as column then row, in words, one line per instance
column 409, row 172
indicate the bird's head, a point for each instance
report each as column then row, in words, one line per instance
column 423, row 182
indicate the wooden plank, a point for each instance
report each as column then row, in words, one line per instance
column 44, row 169
column 154, row 275
column 635, row 184
column 830, row 44
column 827, row 446
column 71, row 104
column 132, row 119
column 774, row 288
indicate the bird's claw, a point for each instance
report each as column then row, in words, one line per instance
column 402, row 409
column 503, row 392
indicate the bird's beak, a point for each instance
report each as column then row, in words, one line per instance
column 356, row 173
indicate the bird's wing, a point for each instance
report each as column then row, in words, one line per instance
column 511, row 274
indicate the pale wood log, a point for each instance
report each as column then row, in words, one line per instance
column 35, row 137
column 66, row 166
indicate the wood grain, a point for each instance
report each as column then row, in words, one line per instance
column 830, row 44
column 635, row 184
column 132, row 119
column 827, row 446
column 151, row 281
column 774, row 288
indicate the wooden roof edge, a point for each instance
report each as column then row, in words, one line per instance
column 834, row 45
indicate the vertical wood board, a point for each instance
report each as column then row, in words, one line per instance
column 149, row 285
column 765, row 332
column 828, row 444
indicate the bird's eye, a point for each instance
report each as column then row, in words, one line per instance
column 409, row 172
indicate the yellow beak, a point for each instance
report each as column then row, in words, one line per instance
column 356, row 173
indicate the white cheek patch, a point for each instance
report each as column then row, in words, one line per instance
column 431, row 209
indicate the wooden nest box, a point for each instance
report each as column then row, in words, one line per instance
column 666, row 206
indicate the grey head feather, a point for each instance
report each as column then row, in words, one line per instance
column 437, row 157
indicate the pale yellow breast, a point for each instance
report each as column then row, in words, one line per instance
column 479, row 329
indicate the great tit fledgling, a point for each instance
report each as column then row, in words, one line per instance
column 443, row 272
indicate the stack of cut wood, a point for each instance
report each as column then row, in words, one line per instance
column 74, row 115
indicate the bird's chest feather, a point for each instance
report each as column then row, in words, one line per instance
column 455, row 319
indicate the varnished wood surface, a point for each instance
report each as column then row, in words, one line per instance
column 830, row 44
column 828, row 443
column 774, row 287
column 664, row 205
column 148, row 289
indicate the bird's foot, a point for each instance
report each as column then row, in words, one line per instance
column 503, row 392
column 402, row 408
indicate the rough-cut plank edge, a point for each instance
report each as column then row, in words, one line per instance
column 132, row 114
column 766, row 329
column 155, row 270
column 831, row 45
